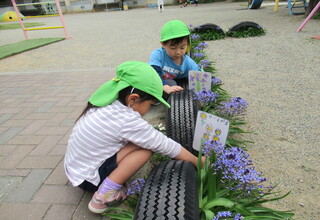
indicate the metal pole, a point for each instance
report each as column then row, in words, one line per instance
column 19, row 18
column 62, row 19
column 309, row 17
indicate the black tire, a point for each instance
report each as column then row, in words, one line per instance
column 170, row 193
column 208, row 27
column 181, row 118
column 183, row 83
column 244, row 26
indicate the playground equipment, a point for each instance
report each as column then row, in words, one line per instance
column 24, row 29
column 151, row 3
column 315, row 9
column 292, row 6
column 254, row 4
column 10, row 16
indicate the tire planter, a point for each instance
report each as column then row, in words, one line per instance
column 181, row 118
column 170, row 193
column 242, row 26
column 208, row 28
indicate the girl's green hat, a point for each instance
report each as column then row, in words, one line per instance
column 174, row 29
column 137, row 74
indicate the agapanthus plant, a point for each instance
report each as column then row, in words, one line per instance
column 229, row 182
column 127, row 213
column 227, row 215
column 215, row 81
column 201, row 46
column 136, row 186
column 206, row 98
column 207, row 66
column 234, row 107
column 204, row 63
column 247, row 32
column 195, row 37
column 197, row 57
column 235, row 170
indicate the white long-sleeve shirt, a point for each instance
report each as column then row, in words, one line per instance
column 102, row 132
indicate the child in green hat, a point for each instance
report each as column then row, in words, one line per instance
column 110, row 141
column 171, row 61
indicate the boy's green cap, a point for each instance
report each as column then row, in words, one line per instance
column 137, row 74
column 174, row 29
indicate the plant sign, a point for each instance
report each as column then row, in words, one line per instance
column 209, row 128
column 199, row 81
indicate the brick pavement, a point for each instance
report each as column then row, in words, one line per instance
column 36, row 117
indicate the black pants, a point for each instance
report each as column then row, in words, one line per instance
column 104, row 170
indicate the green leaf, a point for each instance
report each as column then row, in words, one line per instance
column 221, row 193
column 228, row 204
column 233, row 130
column 208, row 214
column 118, row 214
column 272, row 199
column 263, row 211
column 212, row 186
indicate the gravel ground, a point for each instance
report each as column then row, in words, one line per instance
column 278, row 74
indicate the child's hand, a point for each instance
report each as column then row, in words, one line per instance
column 203, row 161
column 172, row 89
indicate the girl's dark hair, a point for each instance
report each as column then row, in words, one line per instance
column 122, row 98
column 130, row 90
column 176, row 41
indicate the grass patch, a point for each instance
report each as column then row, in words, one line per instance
column 19, row 47
column 17, row 25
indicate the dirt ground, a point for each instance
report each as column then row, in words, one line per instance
column 277, row 74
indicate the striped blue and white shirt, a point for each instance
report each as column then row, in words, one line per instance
column 102, row 132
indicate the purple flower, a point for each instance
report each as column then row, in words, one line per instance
column 235, row 168
column 197, row 48
column 215, row 81
column 205, row 96
column 204, row 63
column 194, row 36
column 198, row 55
column 235, row 106
column 222, row 215
column 202, row 45
column 136, row 186
column 225, row 214
column 238, row 217
column 211, row 146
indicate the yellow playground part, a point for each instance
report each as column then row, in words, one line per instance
column 10, row 16
column 42, row 28
column 58, row 10
column 292, row 5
